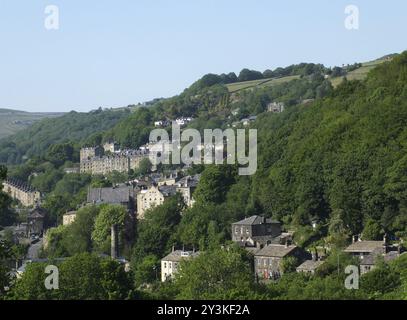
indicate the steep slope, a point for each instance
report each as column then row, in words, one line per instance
column 344, row 156
column 73, row 126
column 12, row 121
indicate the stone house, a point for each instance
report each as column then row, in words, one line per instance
column 152, row 197
column 310, row 266
column 170, row 263
column 361, row 249
column 256, row 231
column 267, row 261
column 369, row 253
column 156, row 194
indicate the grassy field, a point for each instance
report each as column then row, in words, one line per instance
column 234, row 87
column 358, row 74
column 12, row 121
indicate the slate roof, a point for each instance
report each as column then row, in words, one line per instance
column 309, row 265
column 364, row 246
column 190, row 181
column 276, row 250
column 178, row 255
column 19, row 184
column 109, row 195
column 168, row 191
column 70, row 213
column 37, row 213
column 253, row 220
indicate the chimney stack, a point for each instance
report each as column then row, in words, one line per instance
column 114, row 251
column 314, row 255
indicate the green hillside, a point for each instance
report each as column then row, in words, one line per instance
column 344, row 157
column 234, row 87
column 74, row 127
column 12, row 121
column 360, row 73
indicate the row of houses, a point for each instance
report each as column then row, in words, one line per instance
column 183, row 121
column 141, row 196
column 21, row 191
column 269, row 246
column 109, row 158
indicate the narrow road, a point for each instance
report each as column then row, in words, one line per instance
column 33, row 250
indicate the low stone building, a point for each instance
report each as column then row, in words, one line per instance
column 361, row 249
column 21, row 191
column 369, row 262
column 256, row 231
column 310, row 266
column 267, row 261
column 170, row 263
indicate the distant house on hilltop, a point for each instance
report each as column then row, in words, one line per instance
column 275, row 107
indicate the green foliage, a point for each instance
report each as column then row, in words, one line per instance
column 382, row 279
column 69, row 193
column 155, row 233
column 82, row 277
column 148, row 270
column 73, row 126
column 342, row 154
column 7, row 217
column 74, row 238
column 299, row 286
column 372, row 230
column 289, row 264
column 217, row 274
column 31, row 285
column 144, row 167
column 109, row 215
column 214, row 184
column 5, row 254
column 58, row 154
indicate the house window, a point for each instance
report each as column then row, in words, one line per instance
column 265, row 262
column 170, row 265
column 247, row 230
column 237, row 230
column 165, row 264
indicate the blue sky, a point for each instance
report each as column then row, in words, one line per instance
column 115, row 53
